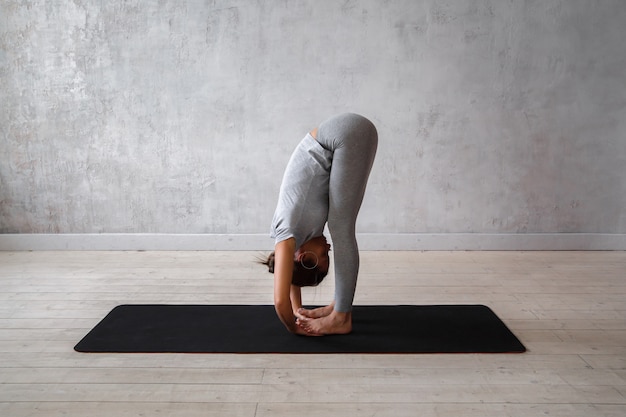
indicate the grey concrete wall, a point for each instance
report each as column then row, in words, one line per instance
column 179, row 116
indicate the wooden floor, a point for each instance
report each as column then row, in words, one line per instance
column 568, row 308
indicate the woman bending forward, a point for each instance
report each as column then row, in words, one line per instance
column 324, row 181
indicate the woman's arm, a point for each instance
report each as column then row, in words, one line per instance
column 283, row 270
column 284, row 293
column 296, row 299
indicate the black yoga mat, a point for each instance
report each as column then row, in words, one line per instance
column 256, row 329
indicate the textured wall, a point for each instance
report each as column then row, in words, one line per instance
column 179, row 116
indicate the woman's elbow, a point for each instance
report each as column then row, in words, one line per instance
column 281, row 303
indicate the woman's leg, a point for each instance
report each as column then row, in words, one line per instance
column 353, row 140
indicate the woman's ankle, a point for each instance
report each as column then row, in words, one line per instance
column 341, row 317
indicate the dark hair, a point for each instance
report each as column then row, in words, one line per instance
column 303, row 275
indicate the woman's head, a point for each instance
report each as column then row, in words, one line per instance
column 310, row 265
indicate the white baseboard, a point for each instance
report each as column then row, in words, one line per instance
column 367, row 241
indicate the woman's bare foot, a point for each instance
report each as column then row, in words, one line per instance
column 334, row 323
column 316, row 313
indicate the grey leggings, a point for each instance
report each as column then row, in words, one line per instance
column 353, row 140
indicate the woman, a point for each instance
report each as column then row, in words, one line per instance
column 324, row 181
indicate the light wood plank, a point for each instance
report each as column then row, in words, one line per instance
column 126, row 409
